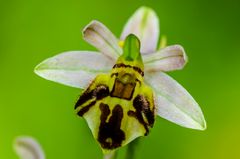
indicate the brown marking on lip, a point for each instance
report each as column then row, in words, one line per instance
column 85, row 109
column 100, row 92
column 114, row 74
column 110, row 135
column 119, row 65
column 142, row 106
column 87, row 95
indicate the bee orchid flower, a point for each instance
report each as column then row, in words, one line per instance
column 125, row 84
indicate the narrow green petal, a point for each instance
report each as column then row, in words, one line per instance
column 28, row 148
column 131, row 49
column 111, row 155
column 145, row 25
column 74, row 68
column 167, row 59
column 174, row 103
column 103, row 39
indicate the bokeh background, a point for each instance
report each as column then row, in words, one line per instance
column 33, row 30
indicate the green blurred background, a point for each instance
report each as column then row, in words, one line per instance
column 33, row 30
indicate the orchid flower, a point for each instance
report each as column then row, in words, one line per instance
column 27, row 147
column 81, row 69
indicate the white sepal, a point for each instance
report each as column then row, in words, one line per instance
column 145, row 25
column 74, row 68
column 174, row 103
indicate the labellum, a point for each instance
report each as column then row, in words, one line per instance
column 118, row 106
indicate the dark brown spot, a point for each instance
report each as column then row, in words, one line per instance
column 142, row 107
column 137, row 80
column 87, row 95
column 86, row 108
column 138, row 70
column 110, row 134
column 118, row 65
column 100, row 92
column 114, row 74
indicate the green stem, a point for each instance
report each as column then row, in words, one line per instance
column 131, row 149
column 130, row 154
column 112, row 155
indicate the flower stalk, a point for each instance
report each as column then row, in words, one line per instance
column 132, row 149
column 111, row 155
